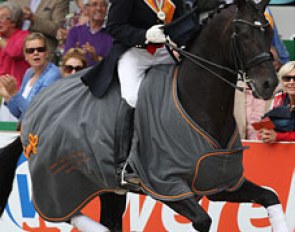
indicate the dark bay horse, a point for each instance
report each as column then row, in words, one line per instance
column 70, row 147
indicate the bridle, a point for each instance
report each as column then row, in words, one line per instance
column 236, row 52
column 240, row 66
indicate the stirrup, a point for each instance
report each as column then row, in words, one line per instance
column 134, row 181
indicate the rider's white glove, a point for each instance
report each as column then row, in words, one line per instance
column 155, row 34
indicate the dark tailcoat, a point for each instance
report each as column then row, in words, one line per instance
column 128, row 21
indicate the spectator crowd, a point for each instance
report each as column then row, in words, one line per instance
column 42, row 41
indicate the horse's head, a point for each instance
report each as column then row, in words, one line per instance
column 252, row 39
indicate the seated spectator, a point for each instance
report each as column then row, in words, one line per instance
column 91, row 36
column 41, row 74
column 73, row 61
column 12, row 60
column 283, row 110
column 44, row 17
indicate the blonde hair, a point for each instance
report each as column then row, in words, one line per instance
column 77, row 53
column 36, row 35
column 286, row 68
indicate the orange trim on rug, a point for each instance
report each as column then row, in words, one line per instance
column 234, row 188
column 62, row 219
column 233, row 138
column 157, row 195
column 183, row 114
column 197, row 168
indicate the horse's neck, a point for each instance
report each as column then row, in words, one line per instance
column 209, row 101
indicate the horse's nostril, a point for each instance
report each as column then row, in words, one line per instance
column 267, row 88
column 266, row 85
column 270, row 84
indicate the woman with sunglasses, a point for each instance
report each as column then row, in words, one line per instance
column 40, row 74
column 283, row 112
column 73, row 61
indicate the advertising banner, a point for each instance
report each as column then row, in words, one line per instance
column 272, row 166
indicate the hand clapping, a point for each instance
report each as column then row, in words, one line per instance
column 87, row 47
column 8, row 87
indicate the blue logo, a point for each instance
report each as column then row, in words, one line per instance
column 26, row 204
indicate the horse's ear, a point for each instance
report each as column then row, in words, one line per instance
column 262, row 5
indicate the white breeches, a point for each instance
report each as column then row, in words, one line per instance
column 132, row 67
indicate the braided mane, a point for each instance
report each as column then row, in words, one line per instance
column 212, row 14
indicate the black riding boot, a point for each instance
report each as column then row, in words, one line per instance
column 123, row 138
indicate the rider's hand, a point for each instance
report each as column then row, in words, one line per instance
column 155, row 34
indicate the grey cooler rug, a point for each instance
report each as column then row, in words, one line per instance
column 68, row 136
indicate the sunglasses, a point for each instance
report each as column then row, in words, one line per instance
column 32, row 50
column 70, row 68
column 288, row 78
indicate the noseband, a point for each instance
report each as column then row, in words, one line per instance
column 240, row 65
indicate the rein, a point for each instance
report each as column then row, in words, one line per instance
column 240, row 66
column 196, row 60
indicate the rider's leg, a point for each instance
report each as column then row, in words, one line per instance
column 86, row 224
column 112, row 208
column 191, row 209
column 250, row 192
column 123, row 137
column 132, row 68
column 131, row 71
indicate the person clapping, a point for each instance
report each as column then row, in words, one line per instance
column 41, row 73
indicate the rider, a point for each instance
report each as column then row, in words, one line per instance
column 137, row 29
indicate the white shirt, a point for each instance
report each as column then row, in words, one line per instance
column 27, row 90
